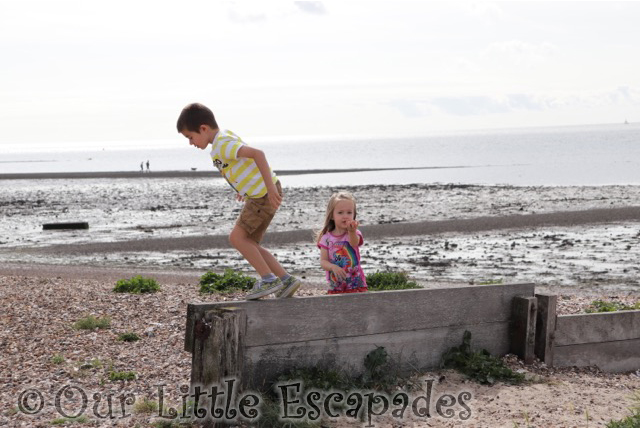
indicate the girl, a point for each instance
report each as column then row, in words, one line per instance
column 339, row 242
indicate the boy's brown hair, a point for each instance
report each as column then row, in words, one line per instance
column 193, row 116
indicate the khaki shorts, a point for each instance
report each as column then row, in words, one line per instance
column 256, row 215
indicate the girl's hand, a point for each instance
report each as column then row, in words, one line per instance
column 239, row 197
column 339, row 273
column 352, row 226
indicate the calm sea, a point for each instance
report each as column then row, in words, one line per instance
column 585, row 155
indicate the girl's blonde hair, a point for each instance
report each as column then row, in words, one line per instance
column 329, row 224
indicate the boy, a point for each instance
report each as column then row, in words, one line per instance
column 247, row 171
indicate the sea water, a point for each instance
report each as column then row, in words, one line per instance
column 577, row 155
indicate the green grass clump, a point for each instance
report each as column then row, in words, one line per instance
column 228, row 282
column 95, row 363
column 270, row 417
column 145, row 406
column 91, row 323
column 479, row 365
column 137, row 285
column 497, row 281
column 380, row 281
column 632, row 421
column 57, row 359
column 115, row 376
column 62, row 421
column 378, row 374
column 128, row 337
column 314, row 377
column 608, row 306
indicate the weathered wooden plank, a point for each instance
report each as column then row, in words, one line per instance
column 618, row 356
column 523, row 328
column 545, row 327
column 409, row 351
column 324, row 317
column 600, row 327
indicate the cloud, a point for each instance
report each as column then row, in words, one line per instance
column 312, row 7
column 483, row 105
column 246, row 13
column 409, row 108
column 469, row 105
column 252, row 12
column 520, row 53
column 625, row 93
column 622, row 96
column 487, row 12
column 525, row 102
column 465, row 106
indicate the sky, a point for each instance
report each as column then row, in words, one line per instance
column 76, row 72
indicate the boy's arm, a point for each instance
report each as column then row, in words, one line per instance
column 263, row 166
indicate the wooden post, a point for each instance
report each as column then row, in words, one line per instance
column 218, row 349
column 523, row 328
column 546, row 327
column 192, row 314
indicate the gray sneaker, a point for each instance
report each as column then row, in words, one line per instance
column 291, row 285
column 262, row 289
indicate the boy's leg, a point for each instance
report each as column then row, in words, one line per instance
column 252, row 223
column 250, row 250
column 290, row 283
column 246, row 237
column 273, row 264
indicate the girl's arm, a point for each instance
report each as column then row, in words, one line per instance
column 328, row 266
column 354, row 239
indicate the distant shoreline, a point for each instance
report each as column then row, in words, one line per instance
column 188, row 174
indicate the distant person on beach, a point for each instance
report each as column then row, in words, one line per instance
column 148, row 166
column 247, row 171
column 339, row 242
column 141, row 166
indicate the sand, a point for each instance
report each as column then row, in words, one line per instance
column 579, row 242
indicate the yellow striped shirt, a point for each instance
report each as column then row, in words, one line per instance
column 241, row 173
